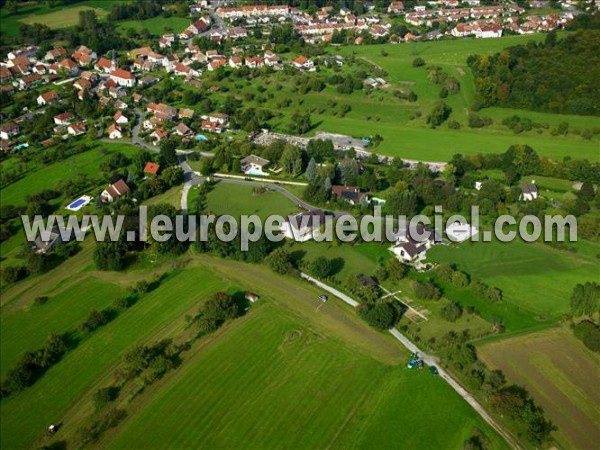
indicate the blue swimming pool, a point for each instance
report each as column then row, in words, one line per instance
column 201, row 137
column 77, row 203
column 256, row 172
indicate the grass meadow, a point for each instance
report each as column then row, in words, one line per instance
column 562, row 376
column 535, row 278
column 286, row 374
column 30, row 12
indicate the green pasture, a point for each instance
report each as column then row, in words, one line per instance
column 285, row 363
column 30, row 12
column 294, row 387
column 535, row 279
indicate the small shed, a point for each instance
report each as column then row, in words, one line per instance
column 251, row 297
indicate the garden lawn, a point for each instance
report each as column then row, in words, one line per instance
column 236, row 200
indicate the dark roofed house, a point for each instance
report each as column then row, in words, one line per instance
column 351, row 194
column 43, row 244
column 529, row 191
column 366, row 280
column 409, row 251
column 302, row 226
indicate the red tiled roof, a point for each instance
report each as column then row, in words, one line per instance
column 151, row 168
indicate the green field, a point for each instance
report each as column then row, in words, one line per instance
column 64, row 18
column 561, row 374
column 30, row 12
column 157, row 25
column 284, row 375
column 536, row 280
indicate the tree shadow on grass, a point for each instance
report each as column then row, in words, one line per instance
column 337, row 264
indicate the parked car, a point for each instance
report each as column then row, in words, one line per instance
column 323, row 297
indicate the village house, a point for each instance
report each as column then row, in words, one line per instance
column 47, row 98
column 529, row 192
column 186, row 113
column 302, row 63
column 351, row 194
column 215, row 64
column 120, row 118
column 123, row 78
column 120, row 104
column 183, row 130
column 69, row 66
column 235, row 62
column 64, row 118
column 412, row 245
column 82, row 84
column 304, row 226
column 199, row 26
column 254, row 62
column 158, row 135
column 76, row 129
column 114, row 191
column 162, row 111
column 8, row 130
column 29, row 81
column 105, row 65
column 151, row 168
column 114, row 132
column 253, row 163
column 55, row 54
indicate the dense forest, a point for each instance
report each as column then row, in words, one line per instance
column 558, row 76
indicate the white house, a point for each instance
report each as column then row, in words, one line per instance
column 114, row 191
column 64, row 119
column 529, row 191
column 412, row 244
column 489, row 32
column 123, row 78
column 302, row 63
column 120, row 118
column 303, row 226
column 8, row 130
column 76, row 129
column 114, row 132
column 47, row 97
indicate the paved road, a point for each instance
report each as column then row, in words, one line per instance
column 429, row 360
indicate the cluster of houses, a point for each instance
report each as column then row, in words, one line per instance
column 478, row 21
